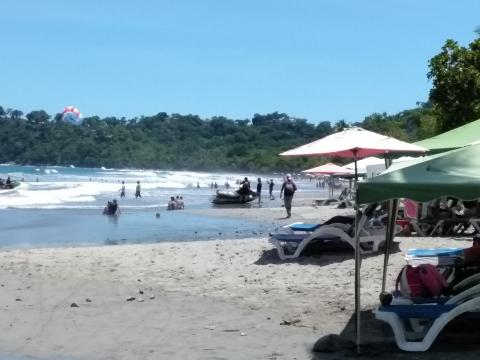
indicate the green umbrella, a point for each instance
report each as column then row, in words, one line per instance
column 455, row 173
column 461, row 136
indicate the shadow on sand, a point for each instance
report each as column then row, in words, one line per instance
column 319, row 253
column 459, row 340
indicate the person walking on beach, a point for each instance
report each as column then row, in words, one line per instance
column 138, row 190
column 288, row 189
column 259, row 190
column 122, row 190
column 270, row 189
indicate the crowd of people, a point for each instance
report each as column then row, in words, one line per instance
column 112, row 207
column 287, row 192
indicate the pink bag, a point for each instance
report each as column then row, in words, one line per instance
column 421, row 281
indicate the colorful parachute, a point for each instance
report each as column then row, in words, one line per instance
column 72, row 115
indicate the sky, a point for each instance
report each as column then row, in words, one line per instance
column 314, row 59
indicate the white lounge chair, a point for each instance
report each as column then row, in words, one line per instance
column 370, row 238
column 416, row 326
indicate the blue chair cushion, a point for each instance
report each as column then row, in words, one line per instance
column 305, row 227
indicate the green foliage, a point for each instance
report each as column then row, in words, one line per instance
column 161, row 141
column 409, row 125
column 186, row 142
column 455, row 94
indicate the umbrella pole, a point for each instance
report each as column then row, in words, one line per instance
column 392, row 217
column 357, row 262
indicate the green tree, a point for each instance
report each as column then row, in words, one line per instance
column 455, row 73
column 16, row 114
column 38, row 117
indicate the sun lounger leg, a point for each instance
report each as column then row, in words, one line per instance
column 437, row 227
column 476, row 224
column 417, row 228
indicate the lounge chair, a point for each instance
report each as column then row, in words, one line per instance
column 345, row 196
column 431, row 227
column 370, row 238
column 416, row 325
column 451, row 226
column 435, row 256
column 342, row 221
column 410, row 211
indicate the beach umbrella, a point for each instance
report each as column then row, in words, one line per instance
column 329, row 169
column 373, row 161
column 468, row 134
column 362, row 164
column 355, row 143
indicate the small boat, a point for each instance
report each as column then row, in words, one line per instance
column 10, row 186
column 232, row 197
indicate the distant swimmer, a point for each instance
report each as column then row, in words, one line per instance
column 138, row 191
column 122, row 190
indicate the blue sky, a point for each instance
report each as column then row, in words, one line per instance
column 314, row 59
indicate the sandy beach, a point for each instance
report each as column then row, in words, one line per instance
column 219, row 299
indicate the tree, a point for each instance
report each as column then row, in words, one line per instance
column 16, row 114
column 38, row 117
column 455, row 94
column 340, row 125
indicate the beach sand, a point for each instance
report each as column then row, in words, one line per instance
column 219, row 299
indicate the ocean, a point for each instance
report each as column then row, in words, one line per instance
column 62, row 206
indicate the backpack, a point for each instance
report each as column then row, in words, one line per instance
column 289, row 189
column 421, row 281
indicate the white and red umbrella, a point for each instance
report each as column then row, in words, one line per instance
column 355, row 143
column 329, row 169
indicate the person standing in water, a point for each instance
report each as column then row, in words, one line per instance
column 122, row 190
column 270, row 189
column 259, row 190
column 138, row 190
column 244, row 190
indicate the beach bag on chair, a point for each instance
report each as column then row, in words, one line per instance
column 420, row 281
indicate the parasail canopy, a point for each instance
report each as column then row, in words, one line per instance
column 72, row 115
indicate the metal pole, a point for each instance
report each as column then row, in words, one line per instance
column 392, row 217
column 357, row 261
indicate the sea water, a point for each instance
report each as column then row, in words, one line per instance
column 62, row 206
